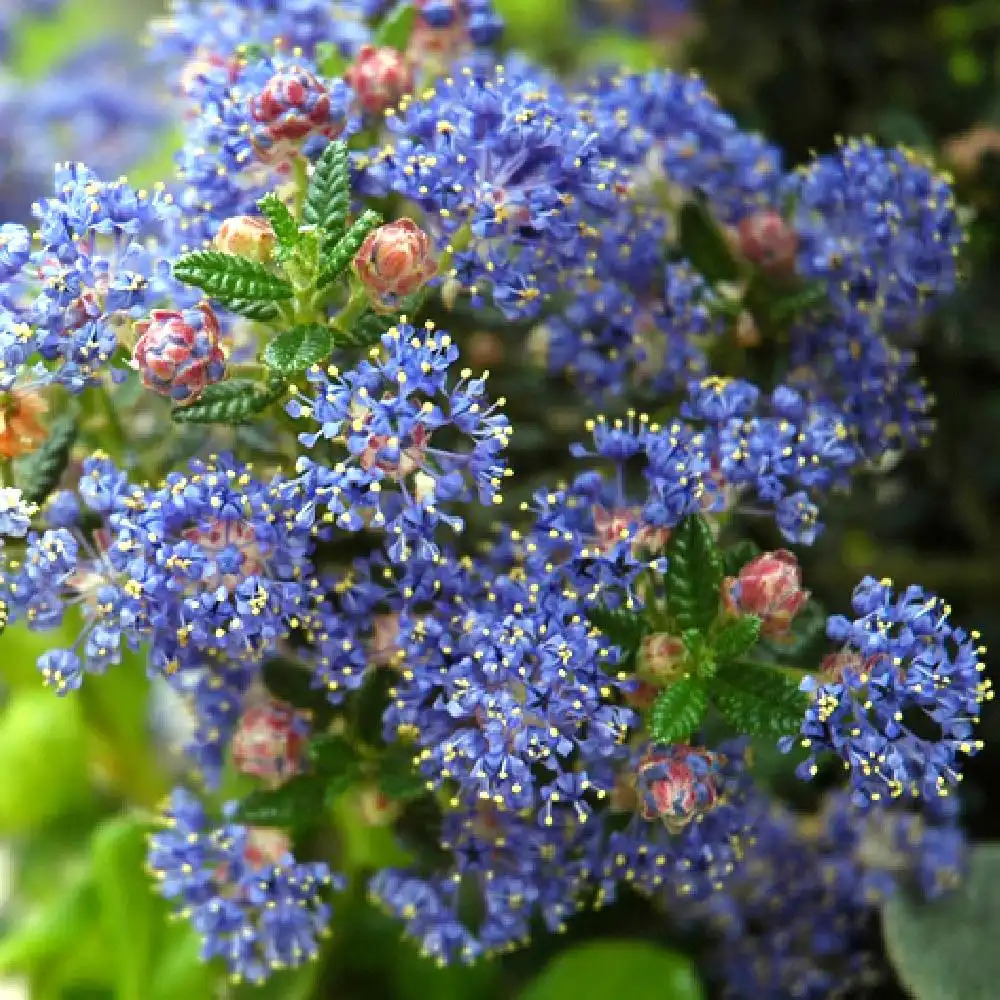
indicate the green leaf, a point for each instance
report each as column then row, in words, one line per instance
column 338, row 258
column 293, row 683
column 694, row 574
column 601, row 970
column 294, row 805
column 702, row 243
column 737, row 555
column 39, row 473
column 328, row 199
column 300, row 348
column 231, row 402
column 678, row 711
column 369, row 328
column 737, row 637
column 262, row 312
column 51, row 930
column 43, row 744
column 230, row 278
column 397, row 26
column 331, row 753
column 330, row 61
column 626, row 629
column 127, row 907
column 808, row 630
column 759, row 700
column 946, row 949
column 398, row 777
column 282, row 221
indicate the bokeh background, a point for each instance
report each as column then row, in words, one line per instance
column 77, row 920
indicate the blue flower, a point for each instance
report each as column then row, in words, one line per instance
column 252, row 904
column 15, row 513
column 902, row 667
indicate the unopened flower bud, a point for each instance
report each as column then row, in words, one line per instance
column 662, row 659
column 178, row 352
column 393, row 262
column 249, row 236
column 269, row 741
column 21, row 430
column 379, row 77
column 765, row 239
column 770, row 587
column 266, row 846
column 296, row 112
column 678, row 783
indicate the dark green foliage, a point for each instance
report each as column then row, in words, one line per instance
column 694, row 574
column 337, row 258
column 40, row 472
column 737, row 555
column 230, row 278
column 625, row 629
column 262, row 312
column 328, row 199
column 702, row 243
column 678, row 711
column 758, row 700
column 282, row 222
column 231, row 402
column 297, row 349
column 293, row 805
column 736, row 637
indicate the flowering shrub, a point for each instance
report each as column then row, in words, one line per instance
column 246, row 441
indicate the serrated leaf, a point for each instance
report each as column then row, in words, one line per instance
column 328, row 199
column 300, row 348
column 945, row 949
column 282, row 221
column 737, row 555
column 230, row 278
column 736, row 637
column 694, row 574
column 758, row 700
column 330, row 61
column 231, row 402
column 395, row 30
column 295, row 804
column 626, row 629
column 262, row 312
column 678, row 711
column 702, row 243
column 331, row 754
column 338, row 258
column 39, row 473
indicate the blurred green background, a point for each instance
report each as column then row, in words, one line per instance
column 77, row 918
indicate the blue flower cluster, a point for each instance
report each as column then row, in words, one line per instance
column 796, row 919
column 70, row 291
column 898, row 702
column 255, row 906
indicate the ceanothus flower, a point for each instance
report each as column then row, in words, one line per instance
column 898, row 702
column 390, row 418
column 253, row 905
column 92, row 273
column 505, row 168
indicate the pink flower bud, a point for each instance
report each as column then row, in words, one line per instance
column 765, row 239
column 249, row 236
column 678, row 783
column 266, row 847
column 661, row 659
column 294, row 108
column 770, row 587
column 614, row 526
column 393, row 262
column 178, row 353
column 379, row 77
column 269, row 741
